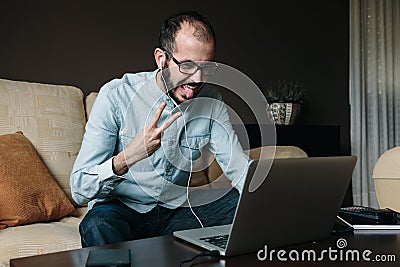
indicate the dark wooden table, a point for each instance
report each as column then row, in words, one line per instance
column 169, row 251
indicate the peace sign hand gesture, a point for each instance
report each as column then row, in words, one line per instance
column 145, row 143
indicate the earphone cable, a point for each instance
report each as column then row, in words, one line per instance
column 190, row 151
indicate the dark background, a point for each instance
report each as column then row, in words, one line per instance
column 87, row 43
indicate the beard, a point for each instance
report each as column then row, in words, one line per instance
column 178, row 90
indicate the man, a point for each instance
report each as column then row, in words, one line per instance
column 145, row 132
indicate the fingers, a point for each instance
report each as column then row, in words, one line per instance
column 157, row 115
column 170, row 120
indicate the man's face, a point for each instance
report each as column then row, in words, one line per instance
column 188, row 50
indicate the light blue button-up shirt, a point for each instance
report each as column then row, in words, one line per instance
column 124, row 107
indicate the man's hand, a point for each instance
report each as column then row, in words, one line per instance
column 145, row 143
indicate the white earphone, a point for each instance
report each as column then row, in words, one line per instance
column 161, row 64
column 187, row 142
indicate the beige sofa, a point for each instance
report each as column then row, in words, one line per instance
column 52, row 118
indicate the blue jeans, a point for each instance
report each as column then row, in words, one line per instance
column 113, row 221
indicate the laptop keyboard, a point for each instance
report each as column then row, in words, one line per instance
column 217, row 240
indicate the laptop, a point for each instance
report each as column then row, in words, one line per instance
column 296, row 202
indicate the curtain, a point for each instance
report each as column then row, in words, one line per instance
column 374, row 88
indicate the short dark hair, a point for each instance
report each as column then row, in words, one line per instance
column 203, row 29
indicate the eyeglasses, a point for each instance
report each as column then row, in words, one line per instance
column 190, row 67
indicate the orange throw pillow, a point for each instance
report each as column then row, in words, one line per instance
column 28, row 191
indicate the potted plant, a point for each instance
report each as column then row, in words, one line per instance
column 284, row 101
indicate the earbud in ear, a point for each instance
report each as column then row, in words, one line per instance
column 161, row 64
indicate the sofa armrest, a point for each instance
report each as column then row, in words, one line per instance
column 89, row 101
column 215, row 173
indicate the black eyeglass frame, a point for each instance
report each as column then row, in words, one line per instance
column 208, row 69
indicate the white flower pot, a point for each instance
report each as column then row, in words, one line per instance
column 284, row 113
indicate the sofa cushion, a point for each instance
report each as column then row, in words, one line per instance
column 52, row 117
column 28, row 192
column 40, row 238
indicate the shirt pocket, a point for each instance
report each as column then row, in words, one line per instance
column 191, row 146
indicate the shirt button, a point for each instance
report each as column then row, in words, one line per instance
column 171, row 143
column 167, row 170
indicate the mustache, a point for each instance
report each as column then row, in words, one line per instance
column 194, row 84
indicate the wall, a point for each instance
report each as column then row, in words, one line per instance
column 87, row 43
